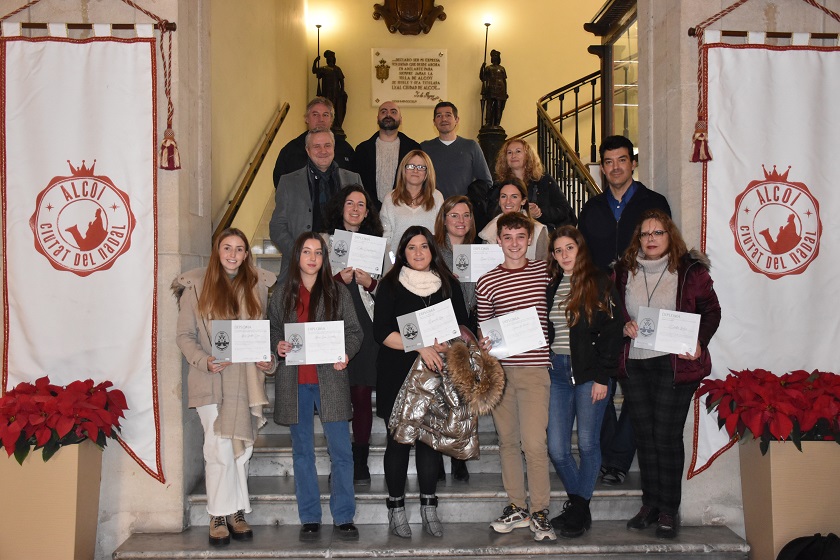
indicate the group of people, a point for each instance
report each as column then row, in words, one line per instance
column 424, row 200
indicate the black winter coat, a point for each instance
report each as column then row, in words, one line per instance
column 595, row 346
column 607, row 238
column 364, row 162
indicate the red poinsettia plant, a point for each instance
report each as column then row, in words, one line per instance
column 44, row 416
column 797, row 406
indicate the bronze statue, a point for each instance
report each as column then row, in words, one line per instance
column 331, row 86
column 493, row 90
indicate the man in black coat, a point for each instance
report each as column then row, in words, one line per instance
column 377, row 158
column 319, row 115
column 607, row 222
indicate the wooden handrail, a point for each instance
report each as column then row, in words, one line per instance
column 253, row 167
column 568, row 87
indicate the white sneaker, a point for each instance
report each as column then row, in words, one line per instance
column 513, row 517
column 541, row 527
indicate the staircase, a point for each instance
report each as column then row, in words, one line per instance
column 465, row 509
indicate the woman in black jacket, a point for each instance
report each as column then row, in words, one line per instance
column 585, row 337
column 546, row 203
column 418, row 280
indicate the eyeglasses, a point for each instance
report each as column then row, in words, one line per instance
column 455, row 216
column 655, row 233
column 412, row 166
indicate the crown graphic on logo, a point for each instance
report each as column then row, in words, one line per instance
column 774, row 175
column 81, row 171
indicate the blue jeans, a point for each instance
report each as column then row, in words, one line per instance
column 567, row 402
column 342, row 495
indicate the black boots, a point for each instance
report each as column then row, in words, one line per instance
column 575, row 519
column 361, row 473
column 459, row 470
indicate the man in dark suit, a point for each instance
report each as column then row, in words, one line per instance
column 302, row 195
column 376, row 159
column 607, row 222
column 319, row 115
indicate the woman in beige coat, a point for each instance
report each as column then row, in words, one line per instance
column 229, row 397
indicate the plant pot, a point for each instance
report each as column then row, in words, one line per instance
column 788, row 494
column 51, row 509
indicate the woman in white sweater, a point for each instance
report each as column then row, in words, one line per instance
column 415, row 201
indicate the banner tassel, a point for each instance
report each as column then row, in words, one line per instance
column 700, row 143
column 169, row 158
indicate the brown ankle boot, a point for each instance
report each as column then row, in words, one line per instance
column 219, row 534
column 239, row 528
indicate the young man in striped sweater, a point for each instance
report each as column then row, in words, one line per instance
column 522, row 416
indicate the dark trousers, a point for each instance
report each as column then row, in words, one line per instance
column 658, row 412
column 396, row 458
column 618, row 446
column 362, row 422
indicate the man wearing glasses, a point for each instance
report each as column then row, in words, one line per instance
column 607, row 222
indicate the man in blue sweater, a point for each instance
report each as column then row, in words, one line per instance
column 458, row 161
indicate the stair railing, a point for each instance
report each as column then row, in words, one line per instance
column 561, row 158
column 254, row 163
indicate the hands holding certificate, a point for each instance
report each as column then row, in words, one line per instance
column 283, row 349
column 362, row 278
column 631, row 329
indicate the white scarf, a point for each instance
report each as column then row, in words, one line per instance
column 420, row 282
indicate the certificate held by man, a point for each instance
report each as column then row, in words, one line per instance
column 241, row 341
column 318, row 342
column 470, row 262
column 514, row 333
column 662, row 330
column 421, row 328
column 357, row 250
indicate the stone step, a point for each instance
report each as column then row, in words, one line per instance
column 478, row 501
column 485, row 424
column 273, row 455
column 607, row 540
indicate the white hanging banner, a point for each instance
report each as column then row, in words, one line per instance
column 770, row 196
column 79, row 221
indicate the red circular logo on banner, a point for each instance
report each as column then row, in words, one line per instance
column 777, row 225
column 82, row 223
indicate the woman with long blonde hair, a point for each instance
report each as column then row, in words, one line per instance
column 546, row 203
column 229, row 397
column 415, row 200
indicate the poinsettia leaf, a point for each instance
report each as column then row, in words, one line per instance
column 753, row 420
column 20, row 453
column 42, row 436
column 764, row 446
column 781, row 426
column 64, row 425
column 50, row 450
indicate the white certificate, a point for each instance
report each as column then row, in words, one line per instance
column 319, row 342
column 421, row 328
column 357, row 250
column 241, row 341
column 470, row 262
column 674, row 332
column 514, row 333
